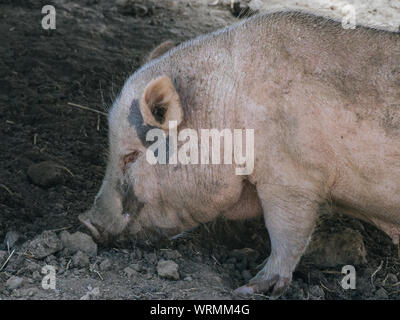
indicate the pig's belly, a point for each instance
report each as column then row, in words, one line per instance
column 372, row 199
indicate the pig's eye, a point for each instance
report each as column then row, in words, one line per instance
column 129, row 158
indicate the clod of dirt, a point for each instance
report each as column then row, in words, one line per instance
column 14, row 282
column 137, row 267
column 168, row 269
column 341, row 248
column 80, row 260
column 105, row 265
column 130, row 272
column 79, row 242
column 44, row 245
column 171, row 254
column 46, row 174
column 10, row 240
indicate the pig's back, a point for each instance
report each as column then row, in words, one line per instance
column 331, row 98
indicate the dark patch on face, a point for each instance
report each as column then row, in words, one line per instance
column 136, row 120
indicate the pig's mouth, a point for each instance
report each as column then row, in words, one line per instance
column 100, row 233
column 86, row 222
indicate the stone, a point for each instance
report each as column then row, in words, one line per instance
column 130, row 272
column 105, row 265
column 337, row 249
column 79, row 241
column 135, row 266
column 44, row 245
column 168, row 269
column 171, row 254
column 10, row 240
column 80, row 260
column 14, row 282
column 46, row 174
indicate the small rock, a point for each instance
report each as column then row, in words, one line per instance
column 168, row 269
column 79, row 242
column 10, row 240
column 188, row 278
column 44, row 245
column 36, row 275
column 105, row 265
column 14, row 283
column 46, row 174
column 51, row 260
column 341, row 248
column 135, row 266
column 381, row 294
column 317, row 292
column 33, row 266
column 130, row 272
column 80, row 260
column 171, row 254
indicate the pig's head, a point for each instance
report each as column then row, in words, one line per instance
column 136, row 197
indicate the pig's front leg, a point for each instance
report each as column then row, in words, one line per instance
column 290, row 215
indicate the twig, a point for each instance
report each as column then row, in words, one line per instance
column 375, row 272
column 8, row 190
column 98, row 273
column 61, row 229
column 8, row 259
column 66, row 169
column 86, row 108
column 325, row 287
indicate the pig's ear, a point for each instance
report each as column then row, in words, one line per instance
column 160, row 104
column 160, row 50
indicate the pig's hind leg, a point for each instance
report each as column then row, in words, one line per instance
column 290, row 216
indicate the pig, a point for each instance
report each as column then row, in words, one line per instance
column 324, row 104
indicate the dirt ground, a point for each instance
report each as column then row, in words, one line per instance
column 96, row 46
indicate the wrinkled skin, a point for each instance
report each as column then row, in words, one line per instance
column 325, row 106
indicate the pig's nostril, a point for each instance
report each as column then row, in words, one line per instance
column 86, row 222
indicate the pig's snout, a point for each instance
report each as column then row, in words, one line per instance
column 104, row 231
column 84, row 218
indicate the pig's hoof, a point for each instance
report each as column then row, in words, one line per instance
column 278, row 285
